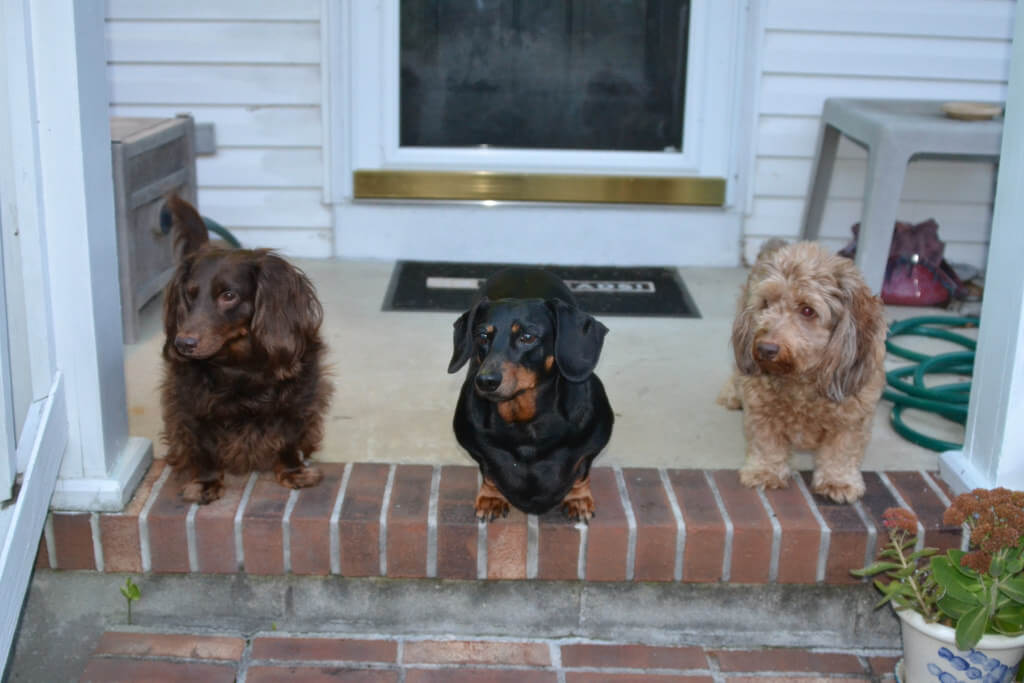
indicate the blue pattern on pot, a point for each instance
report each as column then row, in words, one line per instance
column 975, row 666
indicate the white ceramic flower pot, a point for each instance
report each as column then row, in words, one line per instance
column 930, row 654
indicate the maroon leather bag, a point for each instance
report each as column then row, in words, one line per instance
column 916, row 274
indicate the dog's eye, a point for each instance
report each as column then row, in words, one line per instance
column 807, row 312
column 229, row 296
column 483, row 336
column 527, row 338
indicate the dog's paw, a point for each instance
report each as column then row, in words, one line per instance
column 299, row 477
column 489, row 508
column 202, row 492
column 846, row 490
column 758, row 477
column 579, row 509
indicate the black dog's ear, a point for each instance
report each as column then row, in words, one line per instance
column 462, row 336
column 578, row 340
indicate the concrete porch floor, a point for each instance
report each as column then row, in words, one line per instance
column 393, row 399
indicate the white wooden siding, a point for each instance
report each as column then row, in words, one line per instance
column 253, row 69
column 929, row 49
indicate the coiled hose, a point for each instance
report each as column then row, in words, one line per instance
column 946, row 400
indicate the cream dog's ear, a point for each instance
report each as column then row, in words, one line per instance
column 849, row 360
column 743, row 327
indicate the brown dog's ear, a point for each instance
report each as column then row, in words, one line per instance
column 174, row 304
column 743, row 337
column 849, row 360
column 287, row 313
column 578, row 340
column 462, row 336
column 187, row 225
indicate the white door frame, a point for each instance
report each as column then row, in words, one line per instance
column 361, row 132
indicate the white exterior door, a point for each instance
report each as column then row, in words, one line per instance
column 368, row 102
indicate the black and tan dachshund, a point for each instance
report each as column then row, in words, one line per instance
column 531, row 413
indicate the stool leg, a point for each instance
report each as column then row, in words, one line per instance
column 887, row 167
column 821, row 178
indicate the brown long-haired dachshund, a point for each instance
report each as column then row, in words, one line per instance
column 244, row 385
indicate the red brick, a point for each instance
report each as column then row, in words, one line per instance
column 875, row 501
column 801, row 535
column 632, row 657
column 506, row 546
column 558, row 547
column 215, row 529
column 478, row 675
column 942, row 484
column 475, row 652
column 456, row 523
column 608, row 532
column 704, row 550
column 791, row 679
column 168, row 544
column 185, row 646
column 656, row 528
column 324, row 649
column 72, row 536
column 592, row 677
column 407, row 521
column 883, row 666
column 787, row 659
column 134, row 670
column 312, row 674
column 311, row 522
column 359, row 523
column 923, row 500
column 848, row 537
column 262, row 536
column 752, row 531
column 120, row 532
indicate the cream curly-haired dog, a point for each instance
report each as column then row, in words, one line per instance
column 809, row 341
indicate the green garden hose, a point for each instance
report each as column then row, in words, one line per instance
column 946, row 400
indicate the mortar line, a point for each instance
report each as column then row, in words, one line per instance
column 190, row 538
column 245, row 660
column 334, row 526
column 581, row 560
column 903, row 503
column 286, row 531
column 239, row 516
column 532, row 546
column 825, row 542
column 677, row 573
column 627, row 507
column 51, row 540
column 773, row 563
column 965, row 530
column 97, row 541
column 382, row 537
column 729, row 529
column 481, row 539
column 435, row 489
column 872, row 542
column 144, row 548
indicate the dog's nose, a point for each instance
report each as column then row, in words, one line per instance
column 186, row 344
column 488, row 381
column 767, row 351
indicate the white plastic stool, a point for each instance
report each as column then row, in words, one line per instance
column 894, row 132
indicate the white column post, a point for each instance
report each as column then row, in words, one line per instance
column 993, row 452
column 102, row 463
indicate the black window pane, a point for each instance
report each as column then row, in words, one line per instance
column 544, row 74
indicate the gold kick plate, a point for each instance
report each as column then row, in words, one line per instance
column 538, row 187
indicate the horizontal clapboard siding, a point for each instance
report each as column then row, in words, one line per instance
column 928, row 49
column 253, row 70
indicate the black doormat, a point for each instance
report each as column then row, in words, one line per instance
column 601, row 290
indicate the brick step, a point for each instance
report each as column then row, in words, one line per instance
column 417, row 521
column 139, row 655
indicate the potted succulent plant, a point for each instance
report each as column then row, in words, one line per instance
column 962, row 613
